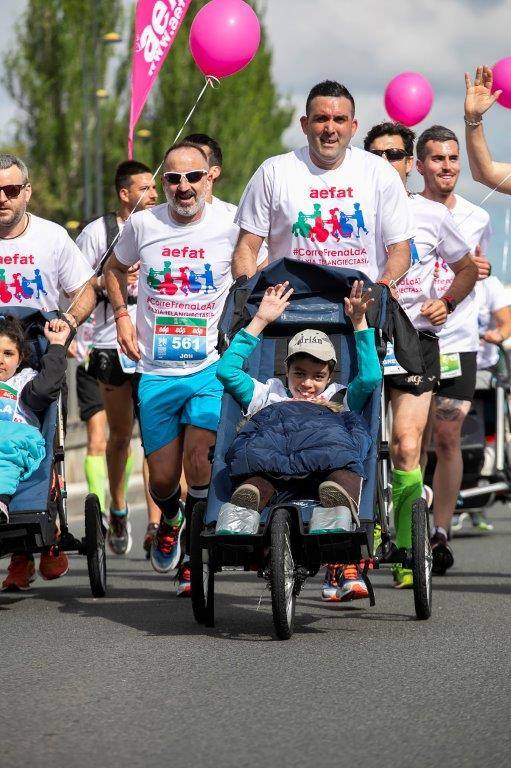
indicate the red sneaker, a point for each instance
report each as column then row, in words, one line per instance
column 20, row 573
column 53, row 566
column 351, row 584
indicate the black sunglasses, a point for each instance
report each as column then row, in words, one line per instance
column 192, row 177
column 11, row 191
column 392, row 155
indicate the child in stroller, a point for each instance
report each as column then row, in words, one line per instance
column 328, row 448
column 24, row 396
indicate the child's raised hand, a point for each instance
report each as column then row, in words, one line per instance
column 57, row 331
column 356, row 305
column 274, row 302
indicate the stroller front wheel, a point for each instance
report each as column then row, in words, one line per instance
column 282, row 575
column 422, row 560
column 202, row 573
column 95, row 546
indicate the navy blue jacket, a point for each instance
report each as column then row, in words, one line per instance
column 296, row 438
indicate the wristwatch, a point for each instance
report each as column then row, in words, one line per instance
column 450, row 303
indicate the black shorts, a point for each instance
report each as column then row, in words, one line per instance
column 88, row 394
column 461, row 387
column 415, row 384
column 104, row 366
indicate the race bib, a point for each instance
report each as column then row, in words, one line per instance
column 450, row 365
column 8, row 402
column 390, row 365
column 180, row 339
column 127, row 364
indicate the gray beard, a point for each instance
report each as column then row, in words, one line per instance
column 187, row 211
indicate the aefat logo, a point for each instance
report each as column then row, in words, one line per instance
column 157, row 36
column 331, row 192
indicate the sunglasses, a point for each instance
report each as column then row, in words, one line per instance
column 392, row 155
column 192, row 177
column 11, row 191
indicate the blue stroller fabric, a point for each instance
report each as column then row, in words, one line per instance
column 22, row 449
column 292, row 439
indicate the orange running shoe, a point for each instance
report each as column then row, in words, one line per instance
column 351, row 584
column 20, row 573
column 53, row 566
column 330, row 585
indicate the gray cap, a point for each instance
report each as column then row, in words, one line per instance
column 313, row 343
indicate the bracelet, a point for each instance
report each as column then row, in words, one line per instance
column 119, row 306
column 471, row 123
column 121, row 314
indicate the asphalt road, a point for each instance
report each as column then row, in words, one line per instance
column 131, row 680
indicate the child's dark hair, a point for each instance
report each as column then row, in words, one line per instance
column 12, row 328
column 304, row 356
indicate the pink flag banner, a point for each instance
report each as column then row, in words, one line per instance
column 157, row 23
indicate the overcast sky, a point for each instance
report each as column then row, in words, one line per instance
column 364, row 43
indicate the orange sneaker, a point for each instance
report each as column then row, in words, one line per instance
column 20, row 573
column 351, row 584
column 53, row 566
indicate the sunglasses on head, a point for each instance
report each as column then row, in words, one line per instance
column 392, row 155
column 12, row 190
column 192, row 177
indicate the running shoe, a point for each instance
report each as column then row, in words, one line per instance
column 376, row 537
column 457, row 521
column 53, row 566
column 331, row 494
column 443, row 558
column 246, row 496
column 482, row 523
column 119, row 534
column 351, row 584
column 330, row 585
column 166, row 546
column 20, row 573
column 427, row 494
column 403, row 577
column 149, row 537
column 184, row 585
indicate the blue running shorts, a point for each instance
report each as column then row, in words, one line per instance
column 168, row 403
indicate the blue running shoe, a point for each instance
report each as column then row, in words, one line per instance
column 166, row 546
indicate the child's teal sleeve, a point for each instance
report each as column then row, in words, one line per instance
column 369, row 371
column 230, row 368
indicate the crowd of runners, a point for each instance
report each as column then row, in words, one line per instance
column 145, row 286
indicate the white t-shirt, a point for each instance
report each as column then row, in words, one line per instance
column 342, row 218
column 93, row 244
column 35, row 266
column 460, row 333
column 185, row 276
column 436, row 237
column 230, row 210
column 491, row 296
column 11, row 409
column 274, row 391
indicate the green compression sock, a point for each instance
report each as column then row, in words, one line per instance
column 127, row 472
column 96, row 474
column 406, row 488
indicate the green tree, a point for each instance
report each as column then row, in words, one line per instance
column 245, row 114
column 49, row 73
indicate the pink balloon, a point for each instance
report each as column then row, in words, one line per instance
column 224, row 37
column 408, row 98
column 502, row 81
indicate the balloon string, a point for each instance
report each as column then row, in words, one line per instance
column 211, row 81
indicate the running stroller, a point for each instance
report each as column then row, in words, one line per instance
column 283, row 552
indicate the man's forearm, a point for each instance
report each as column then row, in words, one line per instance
column 244, row 261
column 83, row 302
column 463, row 282
column 482, row 166
column 116, row 282
column 398, row 262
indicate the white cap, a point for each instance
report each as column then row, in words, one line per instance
column 313, row 343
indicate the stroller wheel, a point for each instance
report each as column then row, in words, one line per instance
column 282, row 575
column 422, row 560
column 202, row 572
column 95, row 546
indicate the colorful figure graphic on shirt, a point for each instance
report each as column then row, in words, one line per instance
column 5, row 295
column 340, row 226
column 17, row 286
column 184, row 279
column 152, row 280
column 440, row 264
column 414, row 253
column 167, row 286
column 38, row 282
column 208, row 276
column 319, row 231
column 346, row 227
column 300, row 227
column 195, row 284
column 334, row 222
column 358, row 218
